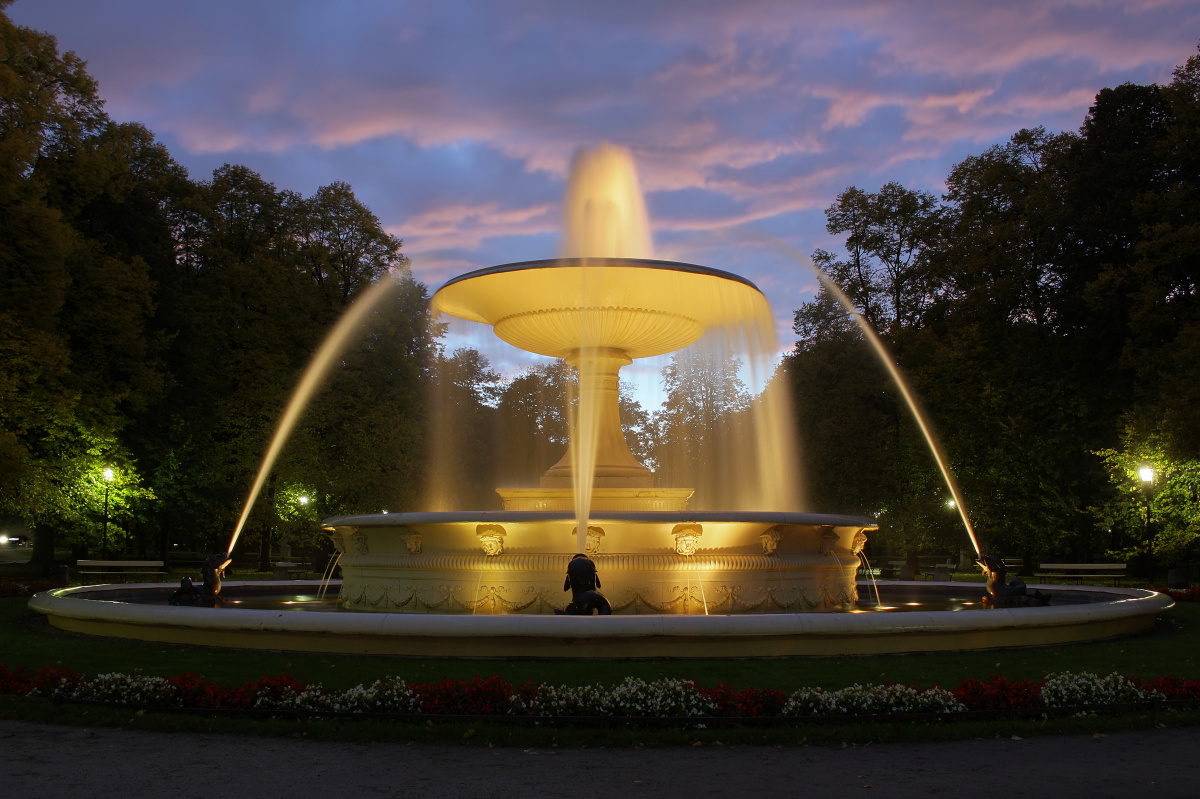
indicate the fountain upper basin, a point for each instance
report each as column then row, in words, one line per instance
column 639, row 307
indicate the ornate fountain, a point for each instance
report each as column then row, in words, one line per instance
column 682, row 583
column 599, row 307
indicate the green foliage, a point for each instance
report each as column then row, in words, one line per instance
column 157, row 325
column 1163, row 516
column 533, row 423
column 1047, row 310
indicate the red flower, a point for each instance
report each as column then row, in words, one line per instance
column 195, row 691
column 748, row 702
column 998, row 693
column 14, row 682
column 1170, row 686
column 479, row 696
column 50, row 680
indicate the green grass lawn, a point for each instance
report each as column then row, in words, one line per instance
column 26, row 640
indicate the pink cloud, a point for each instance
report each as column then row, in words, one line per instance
column 468, row 225
column 772, row 106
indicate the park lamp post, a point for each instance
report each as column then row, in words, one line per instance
column 1146, row 475
column 108, row 477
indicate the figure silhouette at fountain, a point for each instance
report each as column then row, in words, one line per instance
column 210, row 594
column 584, row 582
column 1010, row 594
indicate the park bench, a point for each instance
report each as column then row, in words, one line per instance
column 1082, row 571
column 287, row 570
column 937, row 571
column 941, row 572
column 120, row 570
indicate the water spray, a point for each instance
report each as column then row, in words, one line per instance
column 314, row 374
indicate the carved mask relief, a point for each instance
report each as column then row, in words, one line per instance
column 687, row 538
column 491, row 539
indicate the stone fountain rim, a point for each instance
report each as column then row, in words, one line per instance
column 566, row 263
column 647, row 517
column 1130, row 610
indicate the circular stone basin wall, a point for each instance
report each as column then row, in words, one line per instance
column 1074, row 615
column 504, row 562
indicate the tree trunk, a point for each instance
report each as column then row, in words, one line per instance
column 912, row 563
column 268, row 525
column 164, row 542
column 43, row 549
column 264, row 548
column 1027, row 565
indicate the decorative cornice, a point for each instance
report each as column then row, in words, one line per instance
column 605, row 563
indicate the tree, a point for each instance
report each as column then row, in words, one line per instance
column 462, row 420
column 362, row 444
column 1136, row 521
column 342, row 245
column 532, row 424
column 1164, row 344
column 864, row 455
column 694, row 444
column 76, row 240
column 889, row 236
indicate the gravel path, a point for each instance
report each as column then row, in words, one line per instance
column 50, row 761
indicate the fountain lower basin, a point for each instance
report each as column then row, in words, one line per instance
column 140, row 612
column 502, row 562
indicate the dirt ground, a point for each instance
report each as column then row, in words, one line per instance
column 40, row 760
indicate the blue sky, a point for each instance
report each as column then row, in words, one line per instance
column 456, row 121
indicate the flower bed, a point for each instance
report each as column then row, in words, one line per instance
column 630, row 698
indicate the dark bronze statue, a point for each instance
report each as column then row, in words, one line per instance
column 210, row 595
column 583, row 582
column 213, row 570
column 1010, row 594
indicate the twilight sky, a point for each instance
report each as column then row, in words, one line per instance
column 455, row 121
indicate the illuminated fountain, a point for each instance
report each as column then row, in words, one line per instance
column 683, row 583
column 600, row 306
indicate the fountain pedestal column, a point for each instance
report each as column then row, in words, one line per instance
column 597, row 427
column 620, row 481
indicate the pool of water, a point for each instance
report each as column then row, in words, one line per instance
column 892, row 598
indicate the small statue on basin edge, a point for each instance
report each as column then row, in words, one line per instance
column 583, row 582
column 1011, row 594
column 209, row 596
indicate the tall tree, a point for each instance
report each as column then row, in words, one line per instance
column 81, row 224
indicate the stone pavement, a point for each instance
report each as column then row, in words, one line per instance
column 42, row 761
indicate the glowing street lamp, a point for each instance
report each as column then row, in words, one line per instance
column 1146, row 474
column 303, row 500
column 108, row 478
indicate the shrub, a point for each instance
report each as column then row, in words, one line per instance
column 1071, row 689
column 754, row 702
column 871, row 700
column 1170, row 686
column 998, row 693
column 56, row 682
column 128, row 689
column 14, row 682
column 484, row 696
